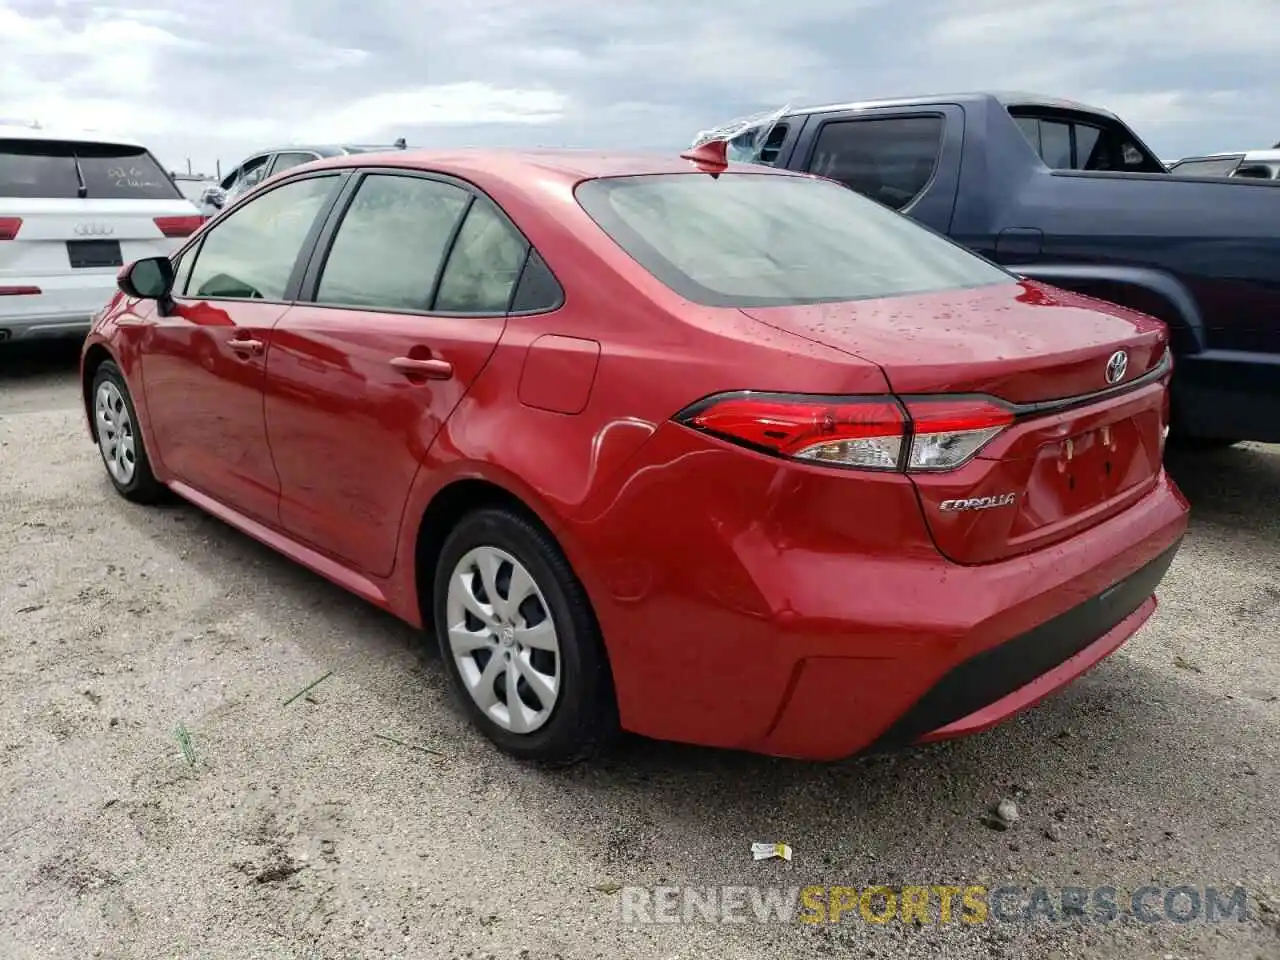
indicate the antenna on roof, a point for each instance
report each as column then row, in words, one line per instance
column 709, row 157
column 400, row 144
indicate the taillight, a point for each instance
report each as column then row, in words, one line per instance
column 850, row 433
column 948, row 432
column 871, row 433
column 180, row 226
column 9, row 227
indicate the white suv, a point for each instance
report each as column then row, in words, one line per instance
column 73, row 210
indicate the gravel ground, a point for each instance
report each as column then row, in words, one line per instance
column 301, row 831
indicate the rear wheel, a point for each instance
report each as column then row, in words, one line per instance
column 519, row 640
column 115, row 422
column 1203, row 444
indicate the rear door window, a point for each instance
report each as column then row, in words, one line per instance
column 484, row 264
column 248, row 176
column 888, row 159
column 391, row 243
column 284, row 161
column 1254, row 171
column 62, row 169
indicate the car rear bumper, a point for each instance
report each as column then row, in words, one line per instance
column 53, row 306
column 992, row 685
column 994, row 671
column 795, row 613
column 40, row 328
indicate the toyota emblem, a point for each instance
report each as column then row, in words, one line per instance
column 1116, row 366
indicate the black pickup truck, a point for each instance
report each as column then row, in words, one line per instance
column 1067, row 194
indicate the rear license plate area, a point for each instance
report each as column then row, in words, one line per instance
column 1092, row 467
column 94, row 253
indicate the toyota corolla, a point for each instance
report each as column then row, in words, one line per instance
column 707, row 452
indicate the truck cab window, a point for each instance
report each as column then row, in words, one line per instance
column 1064, row 143
column 890, row 160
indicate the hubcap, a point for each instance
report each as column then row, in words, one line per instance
column 115, row 432
column 503, row 640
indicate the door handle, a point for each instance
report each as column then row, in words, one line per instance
column 245, row 346
column 432, row 369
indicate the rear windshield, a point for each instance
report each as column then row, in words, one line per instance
column 47, row 169
column 752, row 240
column 1216, row 167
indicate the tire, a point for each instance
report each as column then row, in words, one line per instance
column 128, row 468
column 582, row 716
column 1199, row 444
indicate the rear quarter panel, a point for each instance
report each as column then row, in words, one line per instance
column 657, row 354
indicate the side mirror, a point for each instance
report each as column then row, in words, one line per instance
column 214, row 197
column 147, row 279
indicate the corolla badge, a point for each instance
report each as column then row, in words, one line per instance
column 1117, row 364
column 94, row 229
column 979, row 503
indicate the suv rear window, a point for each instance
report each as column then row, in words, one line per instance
column 754, row 240
column 1213, row 167
column 47, row 169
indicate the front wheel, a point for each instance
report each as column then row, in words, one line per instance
column 519, row 640
column 115, row 423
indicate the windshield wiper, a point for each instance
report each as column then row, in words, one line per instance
column 82, row 191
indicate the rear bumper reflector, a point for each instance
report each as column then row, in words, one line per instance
column 19, row 291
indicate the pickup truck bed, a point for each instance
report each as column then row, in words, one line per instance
column 1068, row 194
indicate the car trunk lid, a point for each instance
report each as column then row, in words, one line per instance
column 1087, row 430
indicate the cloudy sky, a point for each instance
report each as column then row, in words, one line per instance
column 213, row 81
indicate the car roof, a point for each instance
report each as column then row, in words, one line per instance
column 516, row 166
column 1008, row 98
column 19, row 131
column 324, row 149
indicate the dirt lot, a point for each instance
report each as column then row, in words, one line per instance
column 321, row 829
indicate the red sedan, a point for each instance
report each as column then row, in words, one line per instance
column 711, row 453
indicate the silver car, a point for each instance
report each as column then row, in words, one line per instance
column 1248, row 164
column 266, row 163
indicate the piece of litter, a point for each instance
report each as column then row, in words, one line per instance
column 411, row 746
column 308, row 688
column 764, row 851
column 184, row 741
column 1002, row 817
column 609, row 886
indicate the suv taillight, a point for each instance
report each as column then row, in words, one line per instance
column 9, row 227
column 180, row 226
column 867, row 433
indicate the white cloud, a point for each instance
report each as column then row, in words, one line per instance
column 206, row 80
column 1129, row 27
column 454, row 104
